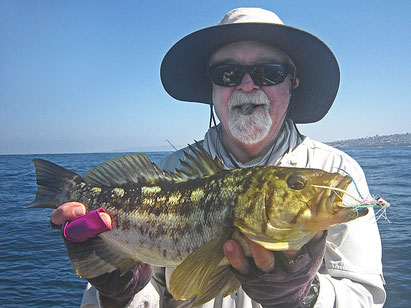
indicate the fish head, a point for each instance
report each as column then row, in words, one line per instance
column 310, row 199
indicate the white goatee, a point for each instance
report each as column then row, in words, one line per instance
column 249, row 117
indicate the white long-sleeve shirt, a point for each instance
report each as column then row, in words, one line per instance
column 351, row 274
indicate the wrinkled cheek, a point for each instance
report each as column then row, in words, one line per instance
column 221, row 97
column 278, row 108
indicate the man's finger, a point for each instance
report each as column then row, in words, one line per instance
column 106, row 218
column 318, row 235
column 292, row 254
column 234, row 254
column 67, row 211
column 87, row 226
column 263, row 258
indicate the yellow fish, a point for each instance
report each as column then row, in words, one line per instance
column 182, row 219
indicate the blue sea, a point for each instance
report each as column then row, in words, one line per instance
column 35, row 270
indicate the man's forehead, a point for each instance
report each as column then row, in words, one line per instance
column 249, row 52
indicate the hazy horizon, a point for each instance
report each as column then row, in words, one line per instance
column 165, row 148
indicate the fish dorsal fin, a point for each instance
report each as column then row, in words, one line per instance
column 198, row 163
column 136, row 168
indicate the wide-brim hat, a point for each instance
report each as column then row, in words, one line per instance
column 184, row 67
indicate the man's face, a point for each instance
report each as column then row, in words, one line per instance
column 249, row 113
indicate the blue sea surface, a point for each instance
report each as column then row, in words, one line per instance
column 35, row 270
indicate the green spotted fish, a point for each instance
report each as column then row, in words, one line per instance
column 182, row 219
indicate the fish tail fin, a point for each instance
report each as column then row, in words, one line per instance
column 51, row 180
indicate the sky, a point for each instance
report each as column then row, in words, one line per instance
column 83, row 76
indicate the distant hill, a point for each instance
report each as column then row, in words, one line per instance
column 387, row 140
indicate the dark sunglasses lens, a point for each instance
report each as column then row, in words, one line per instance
column 230, row 75
column 226, row 75
column 269, row 74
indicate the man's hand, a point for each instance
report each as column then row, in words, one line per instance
column 81, row 226
column 263, row 258
column 67, row 211
column 114, row 289
column 280, row 278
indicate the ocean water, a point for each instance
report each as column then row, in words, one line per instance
column 35, row 270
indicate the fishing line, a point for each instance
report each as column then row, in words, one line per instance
column 377, row 201
column 353, row 181
column 169, row 142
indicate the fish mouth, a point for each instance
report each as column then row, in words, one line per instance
column 362, row 212
column 329, row 200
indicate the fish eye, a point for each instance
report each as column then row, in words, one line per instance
column 296, row 181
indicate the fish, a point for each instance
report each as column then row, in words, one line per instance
column 181, row 219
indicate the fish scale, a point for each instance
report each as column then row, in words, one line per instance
column 165, row 220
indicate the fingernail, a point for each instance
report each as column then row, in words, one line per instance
column 228, row 247
column 79, row 211
column 106, row 218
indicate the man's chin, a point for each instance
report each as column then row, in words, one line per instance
column 249, row 136
column 250, row 129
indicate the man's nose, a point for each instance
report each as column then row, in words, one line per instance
column 247, row 84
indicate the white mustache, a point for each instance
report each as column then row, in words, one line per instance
column 256, row 98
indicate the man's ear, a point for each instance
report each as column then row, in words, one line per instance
column 296, row 83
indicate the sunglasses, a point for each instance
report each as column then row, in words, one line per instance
column 231, row 75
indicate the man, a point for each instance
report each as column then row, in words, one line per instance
column 262, row 77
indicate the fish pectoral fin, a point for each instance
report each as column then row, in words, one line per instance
column 223, row 281
column 94, row 257
column 192, row 276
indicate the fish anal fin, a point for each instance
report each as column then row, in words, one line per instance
column 192, row 276
column 94, row 257
column 128, row 264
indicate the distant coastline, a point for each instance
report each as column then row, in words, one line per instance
column 375, row 141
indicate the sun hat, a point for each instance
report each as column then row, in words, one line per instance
column 184, row 67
